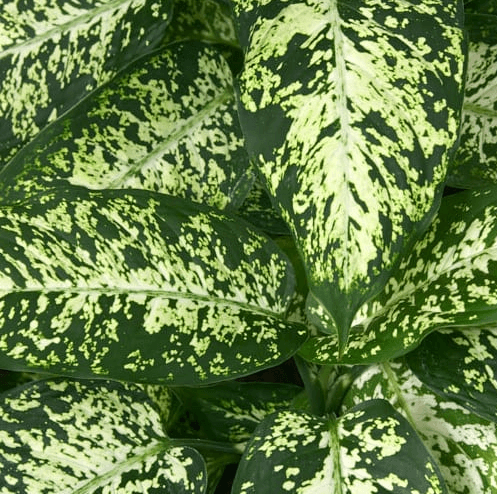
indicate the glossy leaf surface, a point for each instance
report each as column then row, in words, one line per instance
column 362, row 103
column 167, row 124
column 76, row 437
column 369, row 449
column 54, row 53
column 449, row 279
column 460, row 366
column 464, row 445
column 139, row 286
column 475, row 161
column 231, row 411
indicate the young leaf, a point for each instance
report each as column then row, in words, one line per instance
column 475, row 161
column 231, row 411
column 52, row 54
column 361, row 103
column 86, row 437
column 449, row 279
column 464, row 445
column 137, row 286
column 169, row 124
column 372, row 448
column 460, row 366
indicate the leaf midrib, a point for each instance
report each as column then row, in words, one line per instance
column 214, row 300
column 103, row 479
column 60, row 28
column 343, row 116
column 189, row 126
column 392, row 302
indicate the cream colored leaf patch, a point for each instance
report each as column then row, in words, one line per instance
column 449, row 279
column 140, row 287
column 350, row 111
column 475, row 161
column 167, row 124
column 463, row 444
column 369, row 449
column 52, row 54
column 83, row 437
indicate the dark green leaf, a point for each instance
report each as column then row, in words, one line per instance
column 475, row 162
column 168, row 124
column 207, row 20
column 54, row 53
column 361, row 102
column 231, row 411
column 480, row 7
column 141, row 287
column 90, row 437
column 464, row 444
column 257, row 209
column 370, row 449
column 449, row 279
column 460, row 366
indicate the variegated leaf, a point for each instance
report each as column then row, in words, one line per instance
column 168, row 124
column 449, row 279
column 231, row 411
column 460, row 366
column 138, row 286
column 207, row 20
column 82, row 437
column 475, row 162
column 370, row 449
column 53, row 53
column 464, row 444
column 362, row 104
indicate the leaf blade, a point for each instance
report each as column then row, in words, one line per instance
column 318, row 76
column 463, row 444
column 53, row 55
column 301, row 453
column 79, row 437
column 167, row 124
column 93, row 273
column 448, row 280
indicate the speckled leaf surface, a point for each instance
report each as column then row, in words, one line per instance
column 449, row 279
column 362, row 103
column 87, row 437
column 231, row 411
column 463, row 444
column 208, row 20
column 53, row 53
column 460, row 366
column 475, row 161
column 139, row 286
column 369, row 449
column 168, row 124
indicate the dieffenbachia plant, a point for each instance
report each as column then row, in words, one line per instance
column 228, row 256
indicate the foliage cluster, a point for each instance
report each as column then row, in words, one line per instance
column 235, row 249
